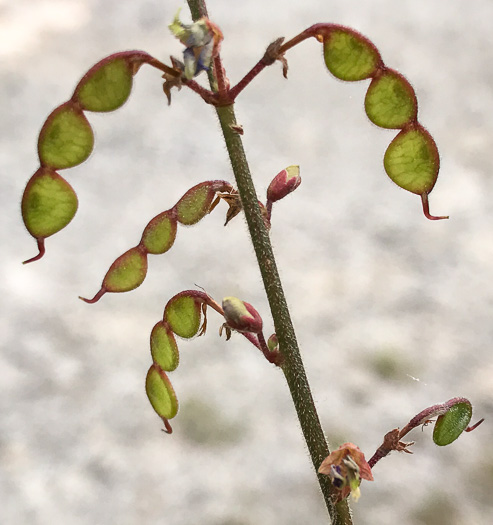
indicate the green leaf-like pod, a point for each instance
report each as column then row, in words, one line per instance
column 49, row 203
column 127, row 272
column 159, row 235
column 412, row 160
column 160, row 393
column 195, row 204
column 107, row 85
column 164, row 349
column 182, row 313
column 390, row 101
column 66, row 139
column 349, row 55
column 449, row 426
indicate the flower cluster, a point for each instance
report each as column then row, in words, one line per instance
column 201, row 39
column 346, row 467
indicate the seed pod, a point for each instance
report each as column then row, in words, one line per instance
column 183, row 315
column 284, row 183
column 66, row 138
column 390, row 100
column 449, row 426
column 159, row 235
column 127, row 272
column 195, row 204
column 49, row 203
column 241, row 316
column 107, row 85
column 160, row 393
column 412, row 160
column 164, row 349
column 349, row 55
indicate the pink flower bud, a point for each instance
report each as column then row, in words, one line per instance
column 284, row 183
column 273, row 343
column 241, row 316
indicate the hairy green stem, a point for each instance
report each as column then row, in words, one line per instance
column 293, row 365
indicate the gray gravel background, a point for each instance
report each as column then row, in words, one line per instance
column 393, row 312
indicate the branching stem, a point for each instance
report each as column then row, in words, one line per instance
column 293, row 366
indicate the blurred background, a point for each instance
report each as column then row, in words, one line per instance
column 393, row 312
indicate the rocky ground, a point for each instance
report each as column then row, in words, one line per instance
column 393, row 312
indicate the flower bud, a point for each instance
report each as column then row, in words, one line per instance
column 273, row 343
column 284, row 183
column 241, row 316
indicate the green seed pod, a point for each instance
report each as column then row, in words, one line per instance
column 164, row 349
column 412, row 160
column 127, row 272
column 195, row 204
column 49, row 203
column 349, row 55
column 390, row 101
column 449, row 426
column 66, row 138
column 159, row 235
column 160, row 393
column 183, row 315
column 107, row 85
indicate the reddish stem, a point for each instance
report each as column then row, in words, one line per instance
column 476, row 425
column 273, row 357
column 42, row 250
column 426, row 209
column 222, row 84
column 392, row 439
column 168, row 429
column 208, row 96
column 163, row 67
column 96, row 298
column 243, row 83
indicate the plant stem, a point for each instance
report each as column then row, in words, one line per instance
column 293, row 366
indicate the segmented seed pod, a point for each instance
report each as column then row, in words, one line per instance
column 161, row 393
column 449, row 426
column 107, row 85
column 164, row 349
column 66, row 138
column 183, row 315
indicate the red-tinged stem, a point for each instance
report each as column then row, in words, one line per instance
column 426, row 209
column 154, row 62
column 315, row 31
column 42, row 251
column 273, row 357
column 168, row 429
column 222, row 85
column 96, row 298
column 207, row 96
column 476, row 425
column 268, row 207
column 243, row 83
column 293, row 367
column 392, row 439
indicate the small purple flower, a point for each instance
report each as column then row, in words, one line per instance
column 202, row 40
